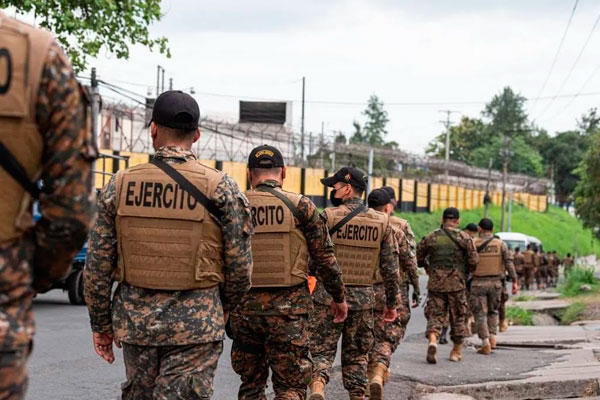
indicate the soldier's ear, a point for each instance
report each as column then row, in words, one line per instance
column 283, row 172
column 249, row 175
column 197, row 135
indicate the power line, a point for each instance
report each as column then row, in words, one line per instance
column 572, row 68
column 562, row 40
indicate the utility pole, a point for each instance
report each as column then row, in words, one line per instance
column 170, row 83
column 510, row 204
column 162, row 86
column 506, row 154
column 95, row 108
column 158, row 67
column 302, row 122
column 447, row 125
column 486, row 198
column 370, row 180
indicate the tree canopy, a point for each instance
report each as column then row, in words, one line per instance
column 587, row 192
column 374, row 130
column 83, row 27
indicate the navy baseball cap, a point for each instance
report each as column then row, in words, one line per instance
column 471, row 227
column 378, row 197
column 350, row 175
column 486, row 224
column 265, row 156
column 390, row 190
column 177, row 110
column 451, row 213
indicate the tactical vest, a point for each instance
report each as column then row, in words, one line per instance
column 519, row 259
column 490, row 258
column 400, row 224
column 279, row 251
column 23, row 50
column 357, row 244
column 444, row 251
column 166, row 239
column 528, row 257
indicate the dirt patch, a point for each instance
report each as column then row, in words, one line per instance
column 591, row 312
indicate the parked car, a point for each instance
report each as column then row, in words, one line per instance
column 520, row 240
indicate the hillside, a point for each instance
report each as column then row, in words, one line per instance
column 557, row 229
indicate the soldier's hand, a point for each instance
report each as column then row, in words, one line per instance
column 515, row 287
column 389, row 314
column 103, row 345
column 416, row 300
column 339, row 311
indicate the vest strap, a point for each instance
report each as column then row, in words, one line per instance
column 16, row 170
column 188, row 187
column 346, row 219
column 295, row 212
column 483, row 245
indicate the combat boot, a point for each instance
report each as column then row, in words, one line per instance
column 492, row 341
column 486, row 348
column 443, row 338
column 317, row 389
column 503, row 326
column 456, row 353
column 377, row 381
column 432, row 348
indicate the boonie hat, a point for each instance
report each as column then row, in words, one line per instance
column 177, row 110
column 378, row 197
column 349, row 175
column 265, row 156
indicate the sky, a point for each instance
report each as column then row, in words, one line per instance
column 418, row 57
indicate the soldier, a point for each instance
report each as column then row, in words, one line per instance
column 568, row 263
column 528, row 267
column 270, row 327
column 389, row 335
column 487, row 284
column 448, row 256
column 358, row 234
column 540, row 264
column 175, row 235
column 519, row 263
column 43, row 136
column 555, row 268
column 471, row 230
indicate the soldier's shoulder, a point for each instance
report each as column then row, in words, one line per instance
column 210, row 170
column 462, row 234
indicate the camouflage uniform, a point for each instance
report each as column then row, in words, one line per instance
column 357, row 331
column 447, row 286
column 519, row 263
column 486, row 293
column 44, row 254
column 270, row 328
column 167, row 335
column 529, row 270
column 541, row 269
column 389, row 335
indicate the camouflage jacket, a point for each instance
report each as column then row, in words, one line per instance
column 407, row 262
column 297, row 299
column 507, row 261
column 66, row 204
column 363, row 297
column 159, row 317
column 448, row 279
column 408, row 269
column 518, row 259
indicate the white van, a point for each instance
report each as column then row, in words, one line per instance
column 514, row 240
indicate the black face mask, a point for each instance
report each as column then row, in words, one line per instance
column 334, row 200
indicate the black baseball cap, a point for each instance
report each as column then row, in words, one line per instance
column 378, row 197
column 451, row 213
column 350, row 175
column 265, row 156
column 390, row 190
column 471, row 227
column 177, row 110
column 486, row 224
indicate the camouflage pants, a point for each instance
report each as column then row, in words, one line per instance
column 453, row 304
column 528, row 272
column 13, row 374
column 485, row 300
column 502, row 307
column 170, row 372
column 541, row 276
column 357, row 341
column 276, row 341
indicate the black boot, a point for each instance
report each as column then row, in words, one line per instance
column 443, row 339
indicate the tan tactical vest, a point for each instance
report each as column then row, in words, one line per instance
column 528, row 257
column 490, row 258
column 357, row 244
column 279, row 251
column 167, row 240
column 400, row 224
column 23, row 50
column 519, row 259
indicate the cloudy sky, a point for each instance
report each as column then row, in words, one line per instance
column 419, row 57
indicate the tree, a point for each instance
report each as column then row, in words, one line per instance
column 587, row 191
column 525, row 159
column 84, row 27
column 506, row 114
column 374, row 130
column 465, row 137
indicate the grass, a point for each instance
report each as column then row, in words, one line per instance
column 519, row 316
column 576, row 277
column 572, row 313
column 557, row 229
column 524, row 297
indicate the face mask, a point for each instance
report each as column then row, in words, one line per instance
column 334, row 200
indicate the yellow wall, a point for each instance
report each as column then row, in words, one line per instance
column 312, row 181
column 443, row 196
column 422, row 194
column 460, row 198
column 395, row 183
column 237, row 171
column 452, row 197
column 435, row 197
column 103, row 165
column 209, row 163
column 376, row 182
column 468, row 199
column 134, row 159
column 408, row 190
column 293, row 180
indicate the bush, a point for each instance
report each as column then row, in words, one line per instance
column 576, row 277
column 519, row 316
column 572, row 313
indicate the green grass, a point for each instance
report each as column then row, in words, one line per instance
column 557, row 229
column 576, row 277
column 572, row 313
column 519, row 316
column 524, row 297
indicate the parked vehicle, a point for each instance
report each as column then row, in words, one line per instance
column 520, row 240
